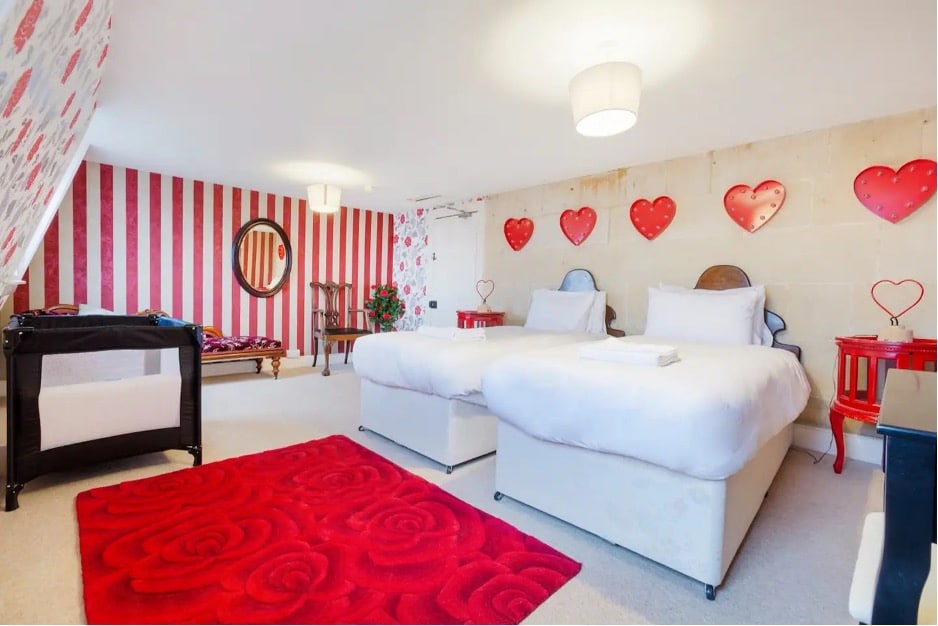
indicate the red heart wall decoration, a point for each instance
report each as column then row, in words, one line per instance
column 651, row 218
column 894, row 195
column 577, row 225
column 752, row 208
column 895, row 297
column 518, row 232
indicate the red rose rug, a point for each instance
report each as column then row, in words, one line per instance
column 320, row 532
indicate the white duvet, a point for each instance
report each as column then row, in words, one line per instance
column 446, row 368
column 704, row 415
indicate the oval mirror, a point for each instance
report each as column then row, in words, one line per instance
column 261, row 257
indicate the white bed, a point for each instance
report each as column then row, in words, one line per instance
column 424, row 392
column 677, row 459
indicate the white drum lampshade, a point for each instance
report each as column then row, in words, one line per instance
column 605, row 98
column 324, row 198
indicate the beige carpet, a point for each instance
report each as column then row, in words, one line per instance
column 794, row 566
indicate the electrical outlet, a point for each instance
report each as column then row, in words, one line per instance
column 432, row 304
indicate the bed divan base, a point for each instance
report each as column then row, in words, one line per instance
column 448, row 431
column 691, row 525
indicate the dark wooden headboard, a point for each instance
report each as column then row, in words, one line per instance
column 731, row 277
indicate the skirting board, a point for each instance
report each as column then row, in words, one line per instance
column 859, row 447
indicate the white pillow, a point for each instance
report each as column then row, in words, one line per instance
column 596, row 320
column 560, row 311
column 761, row 335
column 702, row 317
column 88, row 309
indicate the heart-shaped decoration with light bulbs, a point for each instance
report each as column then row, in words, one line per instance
column 577, row 225
column 651, row 218
column 518, row 232
column 894, row 195
column 751, row 209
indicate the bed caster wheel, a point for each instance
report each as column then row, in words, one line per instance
column 361, row 429
column 710, row 592
column 449, row 469
column 499, row 495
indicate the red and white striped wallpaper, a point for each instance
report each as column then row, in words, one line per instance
column 128, row 240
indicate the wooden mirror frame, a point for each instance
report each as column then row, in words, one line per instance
column 236, row 265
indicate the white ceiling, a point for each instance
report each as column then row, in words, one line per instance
column 397, row 99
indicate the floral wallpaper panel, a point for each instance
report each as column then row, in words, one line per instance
column 410, row 265
column 52, row 57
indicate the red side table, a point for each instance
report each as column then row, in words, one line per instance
column 862, row 363
column 475, row 319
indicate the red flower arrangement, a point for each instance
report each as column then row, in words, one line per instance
column 384, row 307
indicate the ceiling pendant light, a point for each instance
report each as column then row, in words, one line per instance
column 324, row 198
column 605, row 98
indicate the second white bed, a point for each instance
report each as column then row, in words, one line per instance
column 670, row 462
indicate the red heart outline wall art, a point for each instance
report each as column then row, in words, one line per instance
column 651, row 219
column 894, row 317
column 485, row 285
column 894, row 195
column 577, row 225
column 518, row 232
column 751, row 209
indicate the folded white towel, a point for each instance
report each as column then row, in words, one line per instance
column 453, row 333
column 634, row 353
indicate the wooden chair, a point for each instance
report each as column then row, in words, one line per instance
column 329, row 323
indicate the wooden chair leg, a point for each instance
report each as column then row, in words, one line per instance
column 348, row 348
column 315, row 349
column 326, row 349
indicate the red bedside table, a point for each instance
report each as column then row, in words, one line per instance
column 475, row 319
column 862, row 362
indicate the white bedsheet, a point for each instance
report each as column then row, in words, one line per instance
column 704, row 415
column 450, row 369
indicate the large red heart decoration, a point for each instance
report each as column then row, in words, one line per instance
column 752, row 208
column 894, row 195
column 896, row 316
column 577, row 225
column 651, row 218
column 518, row 232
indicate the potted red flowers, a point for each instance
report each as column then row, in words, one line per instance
column 384, row 307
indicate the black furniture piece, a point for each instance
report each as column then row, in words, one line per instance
column 907, row 422
column 29, row 339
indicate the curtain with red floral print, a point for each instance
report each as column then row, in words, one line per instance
column 410, row 265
